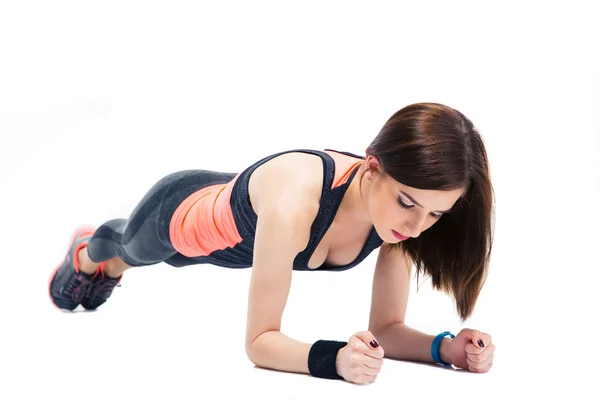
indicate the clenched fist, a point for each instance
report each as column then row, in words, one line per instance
column 471, row 349
column 361, row 359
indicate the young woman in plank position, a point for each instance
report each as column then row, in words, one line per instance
column 422, row 195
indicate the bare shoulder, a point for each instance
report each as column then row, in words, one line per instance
column 290, row 184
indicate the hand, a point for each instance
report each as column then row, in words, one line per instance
column 361, row 359
column 470, row 349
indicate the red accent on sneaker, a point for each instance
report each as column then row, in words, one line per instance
column 81, row 231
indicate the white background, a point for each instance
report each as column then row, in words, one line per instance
column 99, row 100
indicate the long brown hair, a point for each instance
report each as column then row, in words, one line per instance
column 434, row 147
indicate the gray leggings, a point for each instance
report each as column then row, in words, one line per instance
column 143, row 239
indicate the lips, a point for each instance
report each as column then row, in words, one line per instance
column 399, row 236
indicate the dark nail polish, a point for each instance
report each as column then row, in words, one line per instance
column 480, row 343
column 374, row 344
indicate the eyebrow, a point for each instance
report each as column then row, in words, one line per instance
column 414, row 201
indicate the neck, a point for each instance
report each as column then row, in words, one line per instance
column 354, row 204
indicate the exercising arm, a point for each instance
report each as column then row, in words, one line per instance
column 286, row 199
column 276, row 246
column 470, row 349
column 391, row 285
column 286, row 202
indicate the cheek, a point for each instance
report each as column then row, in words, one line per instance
column 385, row 212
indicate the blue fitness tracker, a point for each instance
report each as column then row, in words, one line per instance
column 435, row 348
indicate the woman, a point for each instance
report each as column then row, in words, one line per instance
column 422, row 193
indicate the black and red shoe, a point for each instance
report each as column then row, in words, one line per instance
column 100, row 290
column 68, row 285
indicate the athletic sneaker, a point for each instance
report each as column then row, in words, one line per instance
column 100, row 290
column 68, row 285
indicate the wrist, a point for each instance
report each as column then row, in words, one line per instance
column 323, row 358
column 445, row 350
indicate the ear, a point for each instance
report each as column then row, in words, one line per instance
column 372, row 163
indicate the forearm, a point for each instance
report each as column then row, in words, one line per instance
column 405, row 343
column 274, row 350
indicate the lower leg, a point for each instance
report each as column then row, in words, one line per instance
column 113, row 267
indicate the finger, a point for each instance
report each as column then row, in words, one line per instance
column 373, row 362
column 374, row 354
column 472, row 349
column 480, row 339
column 370, row 371
column 367, row 338
column 487, row 353
column 479, row 358
column 481, row 370
column 368, row 378
column 372, row 346
column 365, row 379
column 368, row 349
column 361, row 378
column 477, row 338
column 363, row 349
column 479, row 366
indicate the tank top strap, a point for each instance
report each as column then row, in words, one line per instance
column 338, row 174
column 243, row 212
column 335, row 184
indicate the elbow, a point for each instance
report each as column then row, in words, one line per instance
column 249, row 350
column 255, row 349
column 252, row 349
column 381, row 328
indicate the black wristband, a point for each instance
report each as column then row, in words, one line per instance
column 321, row 358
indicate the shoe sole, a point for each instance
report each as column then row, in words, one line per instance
column 80, row 232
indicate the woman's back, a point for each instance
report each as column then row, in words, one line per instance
column 217, row 224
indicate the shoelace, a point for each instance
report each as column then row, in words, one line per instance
column 105, row 286
column 78, row 287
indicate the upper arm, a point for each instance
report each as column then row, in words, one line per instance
column 391, row 284
column 285, row 216
column 275, row 247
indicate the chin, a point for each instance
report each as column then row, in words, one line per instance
column 394, row 241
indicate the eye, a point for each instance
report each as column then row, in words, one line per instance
column 406, row 206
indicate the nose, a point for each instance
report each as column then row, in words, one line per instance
column 414, row 233
column 414, row 227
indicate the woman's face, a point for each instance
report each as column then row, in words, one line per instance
column 393, row 206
